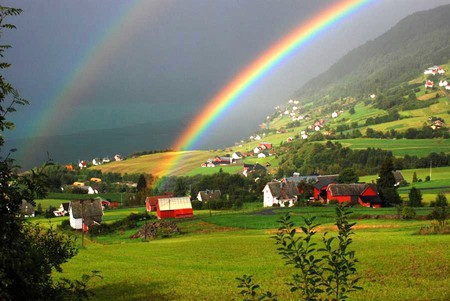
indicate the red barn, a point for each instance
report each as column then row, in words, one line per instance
column 364, row 194
column 320, row 188
column 151, row 201
column 174, row 207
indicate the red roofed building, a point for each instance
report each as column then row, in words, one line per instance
column 151, row 201
column 174, row 208
column 364, row 194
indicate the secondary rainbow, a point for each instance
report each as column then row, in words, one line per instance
column 228, row 96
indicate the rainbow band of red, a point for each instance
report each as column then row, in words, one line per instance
column 228, row 96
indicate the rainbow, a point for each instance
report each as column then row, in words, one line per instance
column 231, row 93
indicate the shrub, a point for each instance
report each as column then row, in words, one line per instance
column 333, row 202
column 197, row 205
column 408, row 213
column 316, row 204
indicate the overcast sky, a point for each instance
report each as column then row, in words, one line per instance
column 110, row 64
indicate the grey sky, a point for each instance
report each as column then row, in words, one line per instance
column 175, row 56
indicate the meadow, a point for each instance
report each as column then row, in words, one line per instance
column 203, row 261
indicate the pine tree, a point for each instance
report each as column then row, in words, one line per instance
column 386, row 183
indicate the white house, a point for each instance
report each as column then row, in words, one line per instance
column 82, row 164
column 334, row 115
column 429, row 84
column 257, row 150
column 448, row 87
column 118, row 157
column 261, row 155
column 443, row 83
column 317, row 128
column 258, row 137
column 96, row 161
column 237, row 155
column 280, row 194
column 89, row 212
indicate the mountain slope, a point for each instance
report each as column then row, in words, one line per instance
column 418, row 41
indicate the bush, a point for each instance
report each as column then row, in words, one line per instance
column 196, row 204
column 130, row 222
column 408, row 213
column 333, row 202
column 65, row 225
column 316, row 204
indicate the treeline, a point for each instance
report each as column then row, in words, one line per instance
column 235, row 189
column 329, row 158
column 332, row 158
column 148, row 152
column 58, row 176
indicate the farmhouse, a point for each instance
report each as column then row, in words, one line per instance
column 208, row 195
column 249, row 168
column 280, row 194
column 85, row 212
column 398, row 177
column 62, row 210
column 429, row 84
column 237, row 155
column 320, row 187
column 174, row 208
column 151, row 201
column 364, row 194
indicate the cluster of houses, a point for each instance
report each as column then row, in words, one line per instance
column 285, row 193
column 97, row 161
column 223, row 160
column 443, row 83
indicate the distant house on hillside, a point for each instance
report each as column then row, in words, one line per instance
column 88, row 212
column 82, row 164
column 429, row 84
column 118, row 157
column 249, row 168
column 237, row 155
column 180, row 207
column 398, row 177
column 208, row 195
column 363, row 194
column 280, row 194
column 62, row 210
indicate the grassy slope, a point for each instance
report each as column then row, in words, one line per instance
column 202, row 263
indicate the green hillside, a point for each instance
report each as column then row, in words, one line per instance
column 417, row 42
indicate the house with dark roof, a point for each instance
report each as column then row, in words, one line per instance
column 85, row 213
column 208, row 195
column 249, row 168
column 363, row 194
column 62, row 210
column 280, row 193
column 320, row 187
column 398, row 177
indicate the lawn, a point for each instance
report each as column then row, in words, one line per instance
column 401, row 147
column 203, row 262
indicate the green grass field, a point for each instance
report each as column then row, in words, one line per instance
column 401, row 147
column 203, row 262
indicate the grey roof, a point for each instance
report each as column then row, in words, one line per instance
column 298, row 179
column 209, row 195
column 398, row 176
column 283, row 191
column 92, row 210
column 350, row 189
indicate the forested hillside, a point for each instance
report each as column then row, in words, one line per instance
column 417, row 42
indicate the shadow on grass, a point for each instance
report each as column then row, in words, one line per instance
column 133, row 291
